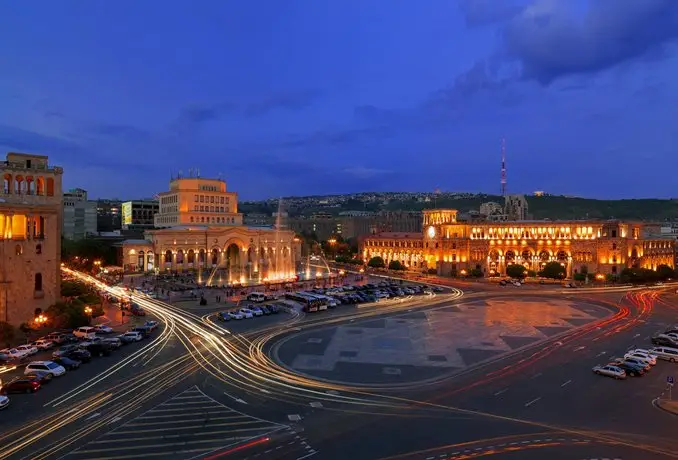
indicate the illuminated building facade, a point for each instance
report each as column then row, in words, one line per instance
column 203, row 231
column 30, row 227
column 450, row 247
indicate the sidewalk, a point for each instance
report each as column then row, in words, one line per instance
column 668, row 405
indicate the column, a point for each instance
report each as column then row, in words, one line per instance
column 29, row 226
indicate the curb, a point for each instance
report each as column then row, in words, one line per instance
column 656, row 403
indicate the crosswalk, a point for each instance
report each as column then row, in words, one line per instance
column 189, row 425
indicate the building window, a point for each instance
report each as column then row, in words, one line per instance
column 195, row 198
column 38, row 249
column 614, row 233
column 614, row 246
column 18, row 250
column 38, row 282
column 191, row 219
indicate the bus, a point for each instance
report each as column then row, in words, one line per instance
column 310, row 303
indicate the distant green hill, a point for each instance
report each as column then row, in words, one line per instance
column 544, row 207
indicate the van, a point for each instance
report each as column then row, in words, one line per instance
column 256, row 297
column 85, row 332
column 667, row 353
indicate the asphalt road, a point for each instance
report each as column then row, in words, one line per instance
column 227, row 400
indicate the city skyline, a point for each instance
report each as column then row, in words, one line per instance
column 327, row 98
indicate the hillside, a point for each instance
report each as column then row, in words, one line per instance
column 544, row 207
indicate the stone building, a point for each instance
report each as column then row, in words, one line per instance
column 30, row 225
column 450, row 246
column 138, row 215
column 203, row 230
column 326, row 226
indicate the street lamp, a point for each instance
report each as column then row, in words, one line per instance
column 88, row 312
column 40, row 320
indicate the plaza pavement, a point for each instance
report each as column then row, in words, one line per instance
column 423, row 345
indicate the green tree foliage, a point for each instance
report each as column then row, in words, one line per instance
column 395, row 265
column 579, row 277
column 376, row 262
column 68, row 314
column 516, row 271
column 476, row 273
column 553, row 270
column 664, row 272
column 87, row 251
column 73, row 289
column 348, row 260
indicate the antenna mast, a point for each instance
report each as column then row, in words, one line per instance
column 503, row 167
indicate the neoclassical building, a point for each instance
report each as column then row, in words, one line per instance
column 203, row 230
column 449, row 246
column 30, row 229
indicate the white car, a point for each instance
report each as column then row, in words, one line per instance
column 246, row 313
column 236, row 315
column 256, row 311
column 610, row 371
column 14, row 353
column 133, row 336
column 642, row 350
column 644, row 357
column 45, row 366
column 28, row 349
column 103, row 329
column 43, row 344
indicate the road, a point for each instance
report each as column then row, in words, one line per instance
column 224, row 396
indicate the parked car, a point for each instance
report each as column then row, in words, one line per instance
column 256, row 311
column 132, row 336
column 25, row 384
column 42, row 376
column 103, row 329
column 151, row 325
column 43, row 344
column 29, row 349
column 114, row 342
column 14, row 353
column 99, row 349
column 236, row 314
column 223, row 316
column 85, row 332
column 631, row 369
column 610, row 371
column 666, row 353
column 67, row 363
column 4, row 402
column 57, row 337
column 81, row 355
column 143, row 330
column 247, row 313
column 45, row 366
column 664, row 340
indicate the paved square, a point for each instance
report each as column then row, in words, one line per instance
column 423, row 345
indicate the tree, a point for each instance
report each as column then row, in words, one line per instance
column 395, row 265
column 7, row 334
column 376, row 262
column 579, row 277
column 476, row 273
column 73, row 289
column 516, row 271
column 664, row 272
column 553, row 270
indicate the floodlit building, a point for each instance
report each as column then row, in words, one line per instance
column 139, row 215
column 200, row 228
column 450, row 246
column 30, row 226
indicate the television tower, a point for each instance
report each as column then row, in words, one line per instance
column 503, row 167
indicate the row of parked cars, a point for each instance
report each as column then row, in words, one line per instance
column 250, row 311
column 639, row 361
column 72, row 350
column 372, row 292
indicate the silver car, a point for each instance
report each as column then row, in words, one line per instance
column 610, row 371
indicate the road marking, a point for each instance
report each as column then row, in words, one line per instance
column 115, row 419
column 94, row 415
column 532, row 402
column 601, row 353
column 332, row 392
column 579, row 348
column 316, row 404
column 235, row 399
column 294, row 417
column 637, row 335
column 647, row 338
column 264, row 391
column 501, row 391
column 536, row 375
column 566, row 383
column 308, row 455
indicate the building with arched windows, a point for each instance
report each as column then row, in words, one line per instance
column 199, row 228
column 30, row 229
column 450, row 246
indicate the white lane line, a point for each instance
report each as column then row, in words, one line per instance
column 532, row 402
column 94, row 415
column 566, row 383
column 115, row 419
column 601, row 354
column 501, row 391
column 579, row 348
column 316, row 404
column 637, row 335
column 308, row 455
column 294, row 417
column 536, row 375
column 647, row 338
column 264, row 391
column 235, row 399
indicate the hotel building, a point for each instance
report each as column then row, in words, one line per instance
column 198, row 227
column 30, row 226
column 450, row 246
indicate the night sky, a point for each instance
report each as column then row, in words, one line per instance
column 305, row 97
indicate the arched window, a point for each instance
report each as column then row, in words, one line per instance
column 38, row 282
column 38, row 248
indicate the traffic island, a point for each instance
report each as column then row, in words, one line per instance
column 667, row 405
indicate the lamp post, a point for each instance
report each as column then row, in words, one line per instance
column 88, row 312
